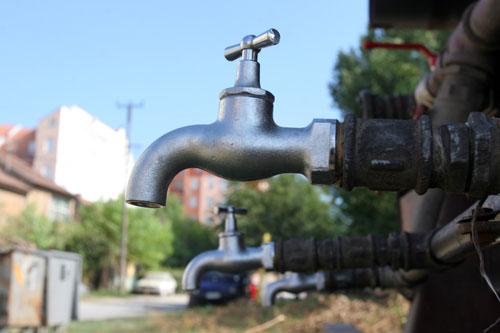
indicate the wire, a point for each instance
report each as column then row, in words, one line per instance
column 482, row 268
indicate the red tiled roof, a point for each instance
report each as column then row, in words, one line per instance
column 24, row 172
column 5, row 128
column 13, row 184
column 22, row 133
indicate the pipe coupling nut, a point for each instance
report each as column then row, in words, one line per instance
column 322, row 156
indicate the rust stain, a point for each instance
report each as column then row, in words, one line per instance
column 18, row 273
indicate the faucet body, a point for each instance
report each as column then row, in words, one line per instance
column 232, row 256
column 230, row 259
column 244, row 143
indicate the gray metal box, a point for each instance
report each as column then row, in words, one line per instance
column 22, row 280
column 63, row 279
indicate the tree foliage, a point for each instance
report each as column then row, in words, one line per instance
column 383, row 72
column 290, row 207
column 97, row 238
column 367, row 211
column 190, row 237
column 155, row 237
column 33, row 228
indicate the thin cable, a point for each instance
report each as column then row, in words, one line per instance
column 482, row 269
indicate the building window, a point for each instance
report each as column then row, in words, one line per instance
column 52, row 122
column 224, row 185
column 193, row 202
column 48, row 145
column 59, row 209
column 46, row 171
column 31, row 147
column 195, row 183
column 177, row 186
column 210, row 203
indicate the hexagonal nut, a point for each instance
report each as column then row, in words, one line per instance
column 322, row 151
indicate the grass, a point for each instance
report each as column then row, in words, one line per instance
column 106, row 293
column 369, row 312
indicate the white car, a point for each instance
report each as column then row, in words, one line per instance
column 161, row 283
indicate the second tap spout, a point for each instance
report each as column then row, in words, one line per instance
column 232, row 256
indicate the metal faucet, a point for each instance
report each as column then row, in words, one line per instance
column 244, row 143
column 232, row 256
column 294, row 283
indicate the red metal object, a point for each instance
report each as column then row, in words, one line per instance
column 252, row 291
column 428, row 54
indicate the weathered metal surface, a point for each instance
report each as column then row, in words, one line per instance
column 444, row 246
column 22, row 282
column 391, row 154
column 63, row 278
column 405, row 251
column 386, row 107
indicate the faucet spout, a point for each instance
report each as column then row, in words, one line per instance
column 161, row 161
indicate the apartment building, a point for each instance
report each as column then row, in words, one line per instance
column 81, row 153
column 199, row 192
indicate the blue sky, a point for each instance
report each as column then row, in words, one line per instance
column 168, row 54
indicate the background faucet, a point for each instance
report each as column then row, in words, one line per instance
column 232, row 256
column 334, row 280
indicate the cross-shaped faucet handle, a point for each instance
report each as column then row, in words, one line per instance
column 250, row 45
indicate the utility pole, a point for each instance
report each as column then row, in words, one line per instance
column 129, row 107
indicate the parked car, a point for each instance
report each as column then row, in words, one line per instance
column 216, row 287
column 160, row 283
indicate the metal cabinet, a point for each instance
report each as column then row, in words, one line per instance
column 63, row 278
column 22, row 280
column 38, row 288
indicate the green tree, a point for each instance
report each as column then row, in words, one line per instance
column 383, row 72
column 34, row 229
column 367, row 211
column 290, row 207
column 190, row 237
column 97, row 239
